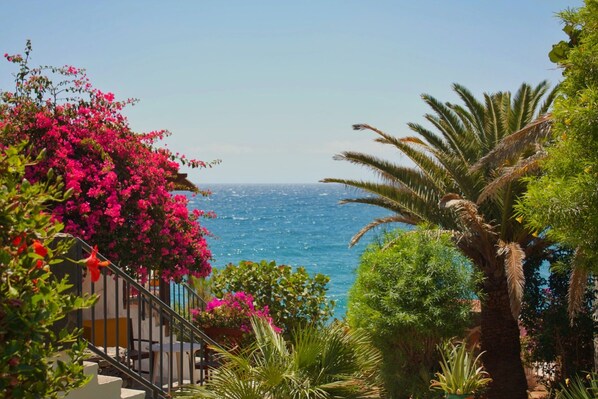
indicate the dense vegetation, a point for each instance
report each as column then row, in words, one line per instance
column 563, row 201
column 32, row 299
column 413, row 290
column 563, row 346
column 120, row 183
column 450, row 188
column 293, row 297
column 316, row 363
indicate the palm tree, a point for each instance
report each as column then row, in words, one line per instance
column 447, row 187
column 326, row 363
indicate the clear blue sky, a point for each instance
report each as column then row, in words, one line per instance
column 272, row 87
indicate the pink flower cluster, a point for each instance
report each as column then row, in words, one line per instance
column 234, row 310
column 121, row 184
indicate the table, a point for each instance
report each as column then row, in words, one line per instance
column 167, row 348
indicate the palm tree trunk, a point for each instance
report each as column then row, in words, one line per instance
column 500, row 340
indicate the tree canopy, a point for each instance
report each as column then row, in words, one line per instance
column 563, row 201
column 120, row 180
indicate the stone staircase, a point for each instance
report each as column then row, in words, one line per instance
column 103, row 387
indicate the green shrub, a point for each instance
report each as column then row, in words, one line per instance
column 410, row 293
column 31, row 298
column 294, row 298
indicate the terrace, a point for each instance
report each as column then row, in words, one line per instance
column 142, row 332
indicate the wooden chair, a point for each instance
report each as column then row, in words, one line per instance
column 103, row 332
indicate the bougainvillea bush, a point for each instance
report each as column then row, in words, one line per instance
column 234, row 310
column 121, row 182
column 294, row 297
column 32, row 299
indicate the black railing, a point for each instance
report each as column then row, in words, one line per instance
column 139, row 334
column 181, row 297
column 184, row 298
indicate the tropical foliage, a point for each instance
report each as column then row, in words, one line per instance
column 564, row 198
column 411, row 292
column 580, row 389
column 449, row 188
column 119, row 180
column 461, row 370
column 332, row 362
column 293, row 297
column 32, row 299
column 563, row 346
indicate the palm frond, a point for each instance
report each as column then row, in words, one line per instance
column 468, row 214
column 513, row 144
column 397, row 198
column 525, row 167
column 377, row 222
column 429, row 161
column 507, row 112
column 475, row 107
column 422, row 159
column 469, row 122
column 432, row 138
column 386, row 204
column 537, row 93
column 545, row 107
column 521, row 107
column 499, row 111
column 513, row 256
column 392, row 173
column 449, row 125
column 444, row 168
column 449, row 170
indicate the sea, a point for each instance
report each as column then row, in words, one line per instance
column 292, row 224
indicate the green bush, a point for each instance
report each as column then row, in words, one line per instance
column 411, row 293
column 294, row 298
column 31, row 298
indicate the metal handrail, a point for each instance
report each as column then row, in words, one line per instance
column 186, row 299
column 109, row 331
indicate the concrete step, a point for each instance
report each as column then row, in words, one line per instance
column 109, row 386
column 91, row 368
column 126, row 393
column 103, row 387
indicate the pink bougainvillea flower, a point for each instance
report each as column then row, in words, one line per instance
column 39, row 248
column 121, row 181
column 93, row 264
column 234, row 310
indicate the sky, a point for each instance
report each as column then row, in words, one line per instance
column 271, row 88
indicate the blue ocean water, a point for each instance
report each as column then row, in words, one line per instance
column 298, row 225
